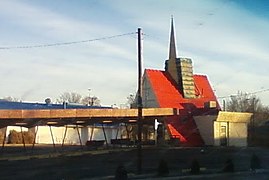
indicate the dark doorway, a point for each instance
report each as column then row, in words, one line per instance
column 223, row 136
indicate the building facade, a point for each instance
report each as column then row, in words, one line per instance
column 177, row 87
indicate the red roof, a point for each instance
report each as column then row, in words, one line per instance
column 168, row 96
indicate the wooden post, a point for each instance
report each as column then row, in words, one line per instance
column 52, row 138
column 33, row 145
column 104, row 135
column 64, row 136
column 117, row 131
column 92, row 131
column 3, row 143
column 79, row 137
column 23, row 141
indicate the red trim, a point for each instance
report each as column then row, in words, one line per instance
column 175, row 133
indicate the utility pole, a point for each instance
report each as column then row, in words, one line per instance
column 253, row 123
column 139, row 106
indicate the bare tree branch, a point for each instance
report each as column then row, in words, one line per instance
column 70, row 97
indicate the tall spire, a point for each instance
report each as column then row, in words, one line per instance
column 172, row 49
column 180, row 69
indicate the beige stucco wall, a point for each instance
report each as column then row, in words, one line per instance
column 225, row 116
column 217, row 133
column 236, row 125
column 236, row 133
column 205, row 124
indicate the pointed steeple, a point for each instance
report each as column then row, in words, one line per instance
column 172, row 49
column 180, row 69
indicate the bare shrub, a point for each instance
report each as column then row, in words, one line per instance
column 15, row 137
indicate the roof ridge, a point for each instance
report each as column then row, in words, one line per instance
column 154, row 70
column 203, row 75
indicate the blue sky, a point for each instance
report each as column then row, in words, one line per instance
column 227, row 40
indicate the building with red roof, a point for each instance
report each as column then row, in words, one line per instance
column 177, row 87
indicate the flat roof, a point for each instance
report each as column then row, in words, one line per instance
column 81, row 117
column 4, row 104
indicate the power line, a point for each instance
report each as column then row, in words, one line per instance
column 64, row 43
column 255, row 92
